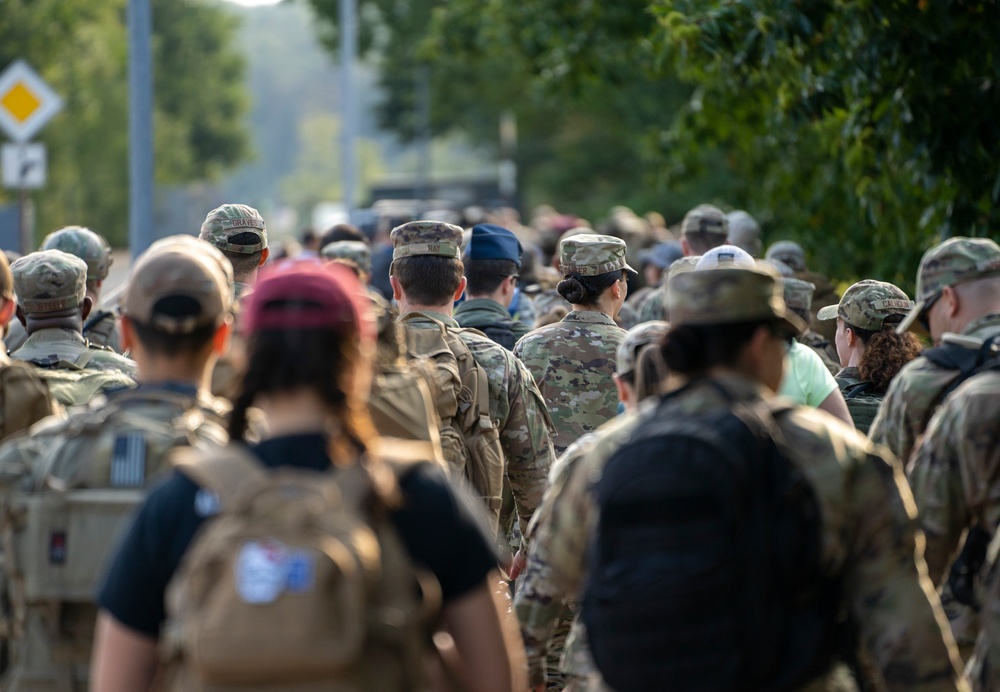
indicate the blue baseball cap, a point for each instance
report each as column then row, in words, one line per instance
column 494, row 242
column 662, row 254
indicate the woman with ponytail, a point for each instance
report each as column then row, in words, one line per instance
column 871, row 352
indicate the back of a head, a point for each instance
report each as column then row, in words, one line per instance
column 726, row 256
column 493, row 254
column 426, row 261
column 354, row 251
column 789, row 252
column 643, row 375
column 704, row 228
column 239, row 232
column 591, row 264
column 85, row 244
column 49, row 283
column 342, row 232
column 744, row 232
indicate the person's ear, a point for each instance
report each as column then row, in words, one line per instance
column 397, row 290
column 7, row 311
column 951, row 300
column 461, row 288
column 263, row 256
column 220, row 342
column 88, row 305
column 685, row 248
column 624, row 395
column 128, row 333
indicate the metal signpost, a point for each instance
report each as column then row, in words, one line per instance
column 27, row 103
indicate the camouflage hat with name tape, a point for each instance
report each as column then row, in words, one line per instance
column 433, row 238
column 955, row 261
column 867, row 304
column 589, row 254
column 49, row 281
column 229, row 220
column 85, row 244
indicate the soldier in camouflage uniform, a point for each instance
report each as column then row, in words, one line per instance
column 984, row 666
column 868, row 536
column 791, row 254
column 354, row 252
column 869, row 348
column 798, row 298
column 239, row 232
column 958, row 291
column 555, row 645
column 572, row 361
column 52, row 306
column 744, row 232
column 426, row 277
column 655, row 307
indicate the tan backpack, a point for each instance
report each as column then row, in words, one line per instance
column 300, row 583
column 24, row 398
column 73, row 384
column 470, row 439
column 81, row 478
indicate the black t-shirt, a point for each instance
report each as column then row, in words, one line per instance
column 436, row 527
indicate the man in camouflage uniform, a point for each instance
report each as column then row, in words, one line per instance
column 572, row 360
column 239, row 232
column 554, row 638
column 654, row 265
column 176, row 317
column 655, row 307
column 52, row 306
column 791, row 254
column 426, row 277
column 958, row 291
column 798, row 298
column 868, row 536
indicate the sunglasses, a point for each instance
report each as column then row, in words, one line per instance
column 922, row 317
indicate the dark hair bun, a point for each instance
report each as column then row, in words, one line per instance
column 573, row 291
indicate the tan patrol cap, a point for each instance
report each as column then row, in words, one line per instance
column 180, row 266
column 222, row 223
column 49, row 281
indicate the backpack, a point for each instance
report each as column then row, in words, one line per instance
column 300, row 583
column 704, row 571
column 24, row 398
column 967, row 355
column 501, row 332
column 82, row 478
column 401, row 404
column 72, row 383
column 862, row 402
column 470, row 439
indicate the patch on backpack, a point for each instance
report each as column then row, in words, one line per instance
column 206, row 503
column 57, row 548
column 261, row 571
column 128, row 463
column 301, row 573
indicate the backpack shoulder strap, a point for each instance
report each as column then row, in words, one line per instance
column 226, row 472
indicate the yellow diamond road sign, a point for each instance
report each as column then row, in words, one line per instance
column 27, row 103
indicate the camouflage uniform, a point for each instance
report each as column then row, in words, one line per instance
column 792, row 254
column 868, row 534
column 655, row 307
column 572, row 361
column 53, row 282
column 798, row 296
column 515, row 402
column 984, row 667
column 916, row 391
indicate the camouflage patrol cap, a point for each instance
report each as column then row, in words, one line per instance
column 589, row 254
column 867, row 304
column 789, row 252
column 952, row 262
column 684, row 264
column 433, row 238
column 705, row 218
column 89, row 246
column 354, row 250
column 798, row 294
column 638, row 337
column 179, row 267
column 222, row 223
column 49, row 281
column 729, row 296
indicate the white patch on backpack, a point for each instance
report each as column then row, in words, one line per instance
column 261, row 571
column 206, row 503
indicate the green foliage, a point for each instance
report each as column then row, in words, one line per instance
column 80, row 48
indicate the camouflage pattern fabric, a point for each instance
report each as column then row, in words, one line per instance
column 955, row 477
column 518, row 407
column 433, row 238
column 49, row 281
column 526, row 311
column 655, row 307
column 85, row 244
column 589, row 254
column 572, row 362
column 868, row 538
column 914, row 392
column 59, row 347
column 223, row 222
column 102, row 329
column 353, row 250
column 983, row 670
column 546, row 303
column 867, row 304
column 705, row 218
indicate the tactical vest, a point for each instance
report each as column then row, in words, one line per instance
column 73, row 383
column 24, row 398
column 862, row 402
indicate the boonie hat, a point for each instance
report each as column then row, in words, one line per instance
column 726, row 256
column 353, row 250
column 434, row 238
column 952, row 262
column 637, row 338
column 309, row 296
column 705, row 218
column 179, row 267
column 489, row 241
column 867, row 304
column 85, row 244
column 589, row 254
column 49, row 281
column 727, row 296
column 222, row 223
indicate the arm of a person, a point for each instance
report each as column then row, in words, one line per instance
column 893, row 604
column 123, row 660
column 488, row 656
column 835, row 405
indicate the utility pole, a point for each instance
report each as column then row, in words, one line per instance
column 348, row 101
column 140, row 126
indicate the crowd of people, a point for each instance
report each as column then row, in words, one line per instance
column 497, row 456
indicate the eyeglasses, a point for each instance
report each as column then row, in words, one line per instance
column 923, row 318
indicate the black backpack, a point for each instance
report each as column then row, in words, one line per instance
column 967, row 361
column 704, row 571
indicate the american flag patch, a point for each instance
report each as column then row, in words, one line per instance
column 128, row 465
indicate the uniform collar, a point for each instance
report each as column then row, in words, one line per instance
column 589, row 317
column 56, row 334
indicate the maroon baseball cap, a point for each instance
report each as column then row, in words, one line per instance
column 309, row 296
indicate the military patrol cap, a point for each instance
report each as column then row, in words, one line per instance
column 179, row 266
column 85, row 244
column 726, row 256
column 729, row 296
column 867, row 304
column 589, row 254
column 789, row 252
column 952, row 262
column 354, row 250
column 705, row 218
column 222, row 223
column 744, row 231
column 489, row 241
column 433, row 238
column 49, row 281
column 684, row 264
column 798, row 294
column 637, row 338
column 662, row 255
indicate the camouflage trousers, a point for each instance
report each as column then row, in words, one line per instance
column 557, row 680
